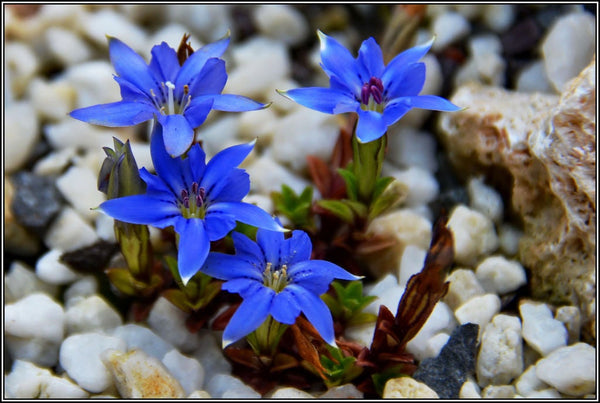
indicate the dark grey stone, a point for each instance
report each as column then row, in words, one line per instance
column 447, row 372
column 36, row 200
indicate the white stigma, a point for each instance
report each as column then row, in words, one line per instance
column 171, row 102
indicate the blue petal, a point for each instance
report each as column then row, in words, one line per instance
column 155, row 186
column 197, row 158
column 170, row 170
column 298, row 248
column 316, row 275
column 116, row 114
column 246, row 248
column 218, row 224
column 316, row 312
column 222, row 163
column 370, row 58
column 404, row 59
column 432, row 102
column 370, row 126
column 393, row 112
column 407, row 83
column 285, row 308
column 321, row 99
column 251, row 313
column 164, row 63
column 130, row 92
column 248, row 214
column 193, row 246
column 242, row 285
column 227, row 267
column 177, row 133
column 233, row 188
column 235, row 103
column 271, row 244
column 142, row 209
column 195, row 63
column 131, row 66
column 337, row 60
column 210, row 80
column 198, row 110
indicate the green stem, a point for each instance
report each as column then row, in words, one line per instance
column 265, row 339
column 368, row 161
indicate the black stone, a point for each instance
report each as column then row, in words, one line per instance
column 523, row 37
column 92, row 258
column 447, row 372
column 36, row 200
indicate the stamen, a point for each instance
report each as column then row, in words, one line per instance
column 171, row 103
column 364, row 94
column 186, row 202
column 195, row 188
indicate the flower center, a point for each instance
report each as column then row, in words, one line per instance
column 275, row 279
column 166, row 102
column 371, row 95
column 192, row 202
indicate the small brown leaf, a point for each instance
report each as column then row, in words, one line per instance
column 221, row 321
column 307, row 350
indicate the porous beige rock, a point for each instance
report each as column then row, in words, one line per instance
column 407, row 387
column 539, row 150
column 138, row 375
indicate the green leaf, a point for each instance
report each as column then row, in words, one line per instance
column 296, row 208
column 351, row 183
column 339, row 209
column 380, row 185
column 393, row 194
column 124, row 282
column 349, row 302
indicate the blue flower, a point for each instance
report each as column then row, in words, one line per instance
column 201, row 201
column 179, row 96
column 276, row 277
column 379, row 94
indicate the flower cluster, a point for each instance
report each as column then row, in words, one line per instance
column 272, row 271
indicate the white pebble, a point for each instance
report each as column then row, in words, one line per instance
column 570, row 316
column 141, row 338
column 436, row 343
column 470, row 11
column 22, row 63
column 345, row 391
column 485, row 51
column 105, row 227
column 499, row 275
column 500, row 357
column 259, row 124
column 422, row 187
column 266, row 176
column 210, row 355
column 35, row 316
column 498, row 392
column 533, row 78
column 282, row 104
column 570, row 369
column 217, row 134
column 498, row 17
column 106, row 22
column 21, row 281
column 188, row 371
column 55, row 162
column 91, row 313
column 229, row 387
column 36, row 350
column 545, row 394
column 282, row 22
column 469, row 390
column 69, row 231
column 301, row 133
column 72, row 133
column 93, row 81
column 508, row 238
column 480, row 309
column 66, row 46
column 449, row 27
column 89, row 373
column 463, row 286
column 528, row 382
column 208, row 21
column 407, row 226
column 474, row 235
column 52, row 100
column 288, row 392
column 362, row 334
column 412, row 261
column 410, row 147
column 568, row 47
column 21, row 133
column 50, row 269
column 25, row 380
column 441, row 319
column 85, row 287
column 540, row 330
column 258, row 63
column 388, row 296
column 168, row 322
column 262, row 201
column 79, row 186
column 485, row 199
